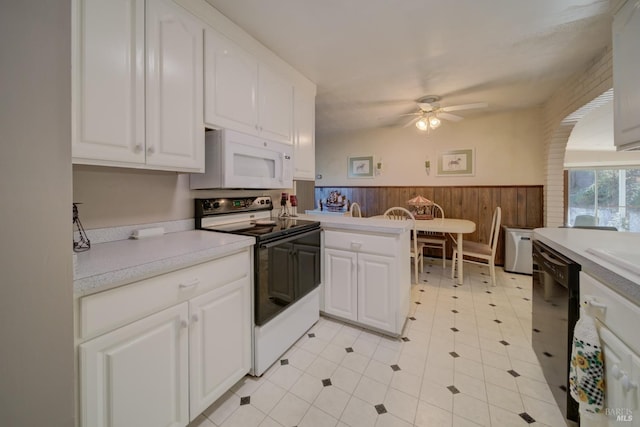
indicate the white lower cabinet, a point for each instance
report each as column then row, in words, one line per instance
column 219, row 343
column 137, row 375
column 165, row 365
column 367, row 279
column 617, row 326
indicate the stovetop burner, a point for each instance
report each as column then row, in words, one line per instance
column 248, row 216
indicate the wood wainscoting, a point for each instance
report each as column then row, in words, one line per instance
column 522, row 205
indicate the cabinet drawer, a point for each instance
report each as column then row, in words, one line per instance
column 102, row 312
column 360, row 242
column 618, row 314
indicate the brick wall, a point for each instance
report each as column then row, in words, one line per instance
column 581, row 93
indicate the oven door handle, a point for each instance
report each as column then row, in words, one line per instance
column 288, row 239
column 552, row 260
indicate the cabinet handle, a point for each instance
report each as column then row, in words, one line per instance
column 356, row 245
column 184, row 324
column 615, row 371
column 256, row 126
column 194, row 318
column 591, row 302
column 137, row 148
column 151, row 150
column 627, row 384
column 191, row 284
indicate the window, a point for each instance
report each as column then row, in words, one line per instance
column 605, row 197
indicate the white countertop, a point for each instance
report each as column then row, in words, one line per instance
column 107, row 265
column 348, row 223
column 610, row 256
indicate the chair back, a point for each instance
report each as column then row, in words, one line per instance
column 437, row 212
column 355, row 210
column 400, row 213
column 495, row 229
column 582, row 220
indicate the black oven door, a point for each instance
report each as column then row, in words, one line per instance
column 285, row 270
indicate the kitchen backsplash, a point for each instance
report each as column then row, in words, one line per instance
column 116, row 197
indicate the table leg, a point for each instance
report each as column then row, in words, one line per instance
column 460, row 278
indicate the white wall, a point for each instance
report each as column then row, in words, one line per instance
column 36, row 323
column 508, row 148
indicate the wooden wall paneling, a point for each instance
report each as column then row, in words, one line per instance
column 509, row 205
column 534, row 207
column 522, row 207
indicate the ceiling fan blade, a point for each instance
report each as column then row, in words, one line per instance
column 412, row 121
column 465, row 106
column 412, row 114
column 449, row 116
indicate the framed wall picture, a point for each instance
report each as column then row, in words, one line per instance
column 456, row 163
column 360, row 167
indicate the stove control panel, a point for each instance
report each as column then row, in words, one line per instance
column 216, row 206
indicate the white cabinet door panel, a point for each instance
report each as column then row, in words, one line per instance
column 231, row 85
column 376, row 291
column 220, row 342
column 304, row 150
column 137, row 375
column 341, row 290
column 108, row 81
column 275, row 106
column 175, row 126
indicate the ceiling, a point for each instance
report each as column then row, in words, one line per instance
column 372, row 59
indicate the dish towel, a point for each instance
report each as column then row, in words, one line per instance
column 586, row 371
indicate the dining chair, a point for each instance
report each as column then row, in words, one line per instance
column 483, row 251
column 435, row 240
column 354, row 210
column 400, row 213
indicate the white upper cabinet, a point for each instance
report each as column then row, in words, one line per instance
column 304, row 144
column 175, row 127
column 243, row 94
column 275, row 105
column 108, row 81
column 626, row 69
column 231, row 85
column 137, row 85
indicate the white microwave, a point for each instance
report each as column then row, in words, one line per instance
column 238, row 160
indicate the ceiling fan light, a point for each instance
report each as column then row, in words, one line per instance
column 434, row 122
column 422, row 124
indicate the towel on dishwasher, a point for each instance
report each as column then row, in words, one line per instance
column 586, row 371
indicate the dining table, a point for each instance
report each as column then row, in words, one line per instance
column 459, row 227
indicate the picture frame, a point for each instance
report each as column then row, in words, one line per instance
column 456, row 163
column 360, row 167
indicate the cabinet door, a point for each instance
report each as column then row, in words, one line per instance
column 340, row 287
column 220, row 342
column 626, row 68
column 275, row 106
column 376, row 291
column 617, row 358
column 137, row 375
column 304, row 148
column 230, row 86
column 175, row 122
column 108, row 81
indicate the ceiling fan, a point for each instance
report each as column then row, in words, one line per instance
column 430, row 112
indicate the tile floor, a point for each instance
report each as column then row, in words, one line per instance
column 464, row 359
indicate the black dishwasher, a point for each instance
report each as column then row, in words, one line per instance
column 555, row 308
